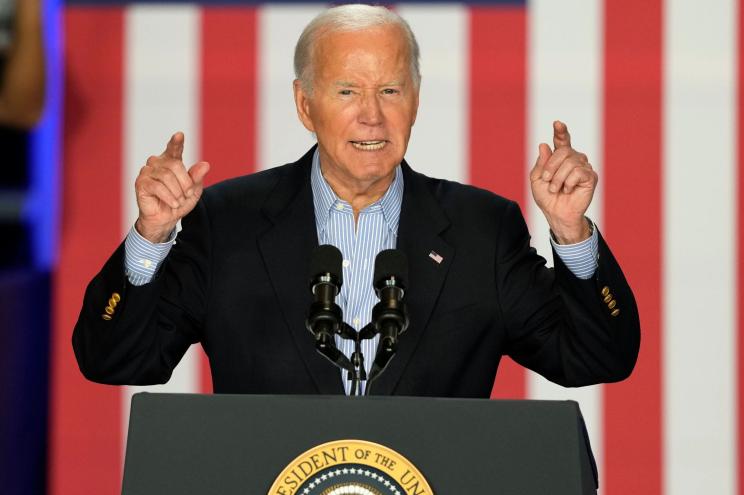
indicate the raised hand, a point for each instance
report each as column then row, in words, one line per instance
column 563, row 183
column 166, row 191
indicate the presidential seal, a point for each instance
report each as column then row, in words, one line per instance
column 350, row 467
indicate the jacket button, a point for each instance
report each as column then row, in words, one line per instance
column 105, row 317
column 112, row 302
column 109, row 310
column 116, row 297
column 612, row 304
column 605, row 290
column 615, row 312
column 608, row 298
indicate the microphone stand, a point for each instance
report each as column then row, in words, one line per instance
column 357, row 360
column 355, row 366
column 382, row 358
column 332, row 354
column 356, row 371
column 357, row 357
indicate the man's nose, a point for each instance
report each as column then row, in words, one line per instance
column 370, row 112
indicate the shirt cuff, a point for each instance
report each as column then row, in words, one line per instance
column 581, row 258
column 143, row 258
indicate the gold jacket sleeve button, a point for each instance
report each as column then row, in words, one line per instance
column 612, row 304
column 605, row 290
column 615, row 312
column 116, row 297
column 109, row 310
column 112, row 302
column 608, row 298
column 106, row 317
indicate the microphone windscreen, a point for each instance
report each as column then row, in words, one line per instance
column 326, row 259
column 391, row 263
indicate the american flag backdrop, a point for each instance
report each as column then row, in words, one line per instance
column 650, row 91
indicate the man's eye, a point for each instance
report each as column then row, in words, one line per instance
column 344, row 92
column 390, row 91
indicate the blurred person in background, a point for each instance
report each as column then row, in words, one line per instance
column 21, row 63
column 22, row 89
column 24, row 288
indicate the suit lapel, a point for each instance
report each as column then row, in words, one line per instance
column 421, row 223
column 286, row 248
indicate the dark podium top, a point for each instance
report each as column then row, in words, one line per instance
column 239, row 444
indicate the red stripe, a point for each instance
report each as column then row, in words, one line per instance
column 498, row 78
column 228, row 99
column 85, row 420
column 633, row 197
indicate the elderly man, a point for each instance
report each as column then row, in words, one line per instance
column 236, row 279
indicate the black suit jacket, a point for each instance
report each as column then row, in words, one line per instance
column 237, row 281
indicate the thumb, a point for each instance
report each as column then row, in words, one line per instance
column 198, row 171
column 543, row 155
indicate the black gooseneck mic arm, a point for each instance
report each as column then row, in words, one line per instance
column 325, row 320
column 390, row 315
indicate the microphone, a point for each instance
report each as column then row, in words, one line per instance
column 390, row 316
column 324, row 318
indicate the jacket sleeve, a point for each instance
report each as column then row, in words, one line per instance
column 151, row 326
column 573, row 332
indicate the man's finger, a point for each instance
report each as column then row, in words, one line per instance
column 179, row 171
column 198, row 171
column 561, row 136
column 555, row 161
column 578, row 176
column 566, row 167
column 543, row 155
column 170, row 180
column 151, row 187
column 174, row 148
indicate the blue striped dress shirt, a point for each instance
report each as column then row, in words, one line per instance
column 377, row 229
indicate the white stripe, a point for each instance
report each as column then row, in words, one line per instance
column 699, row 247
column 442, row 33
column 281, row 136
column 565, row 83
column 162, row 66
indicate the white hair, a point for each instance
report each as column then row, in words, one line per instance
column 344, row 18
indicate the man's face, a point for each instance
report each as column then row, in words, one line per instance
column 362, row 105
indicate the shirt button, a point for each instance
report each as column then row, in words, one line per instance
column 339, row 206
column 346, row 263
column 356, row 321
column 146, row 263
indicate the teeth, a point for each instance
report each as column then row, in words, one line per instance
column 369, row 145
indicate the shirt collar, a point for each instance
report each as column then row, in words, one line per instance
column 324, row 199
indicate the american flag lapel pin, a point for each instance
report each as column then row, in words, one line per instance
column 436, row 257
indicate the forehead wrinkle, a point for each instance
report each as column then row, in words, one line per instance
column 349, row 84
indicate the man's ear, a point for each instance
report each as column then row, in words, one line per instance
column 302, row 104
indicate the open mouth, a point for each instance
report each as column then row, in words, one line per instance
column 369, row 145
